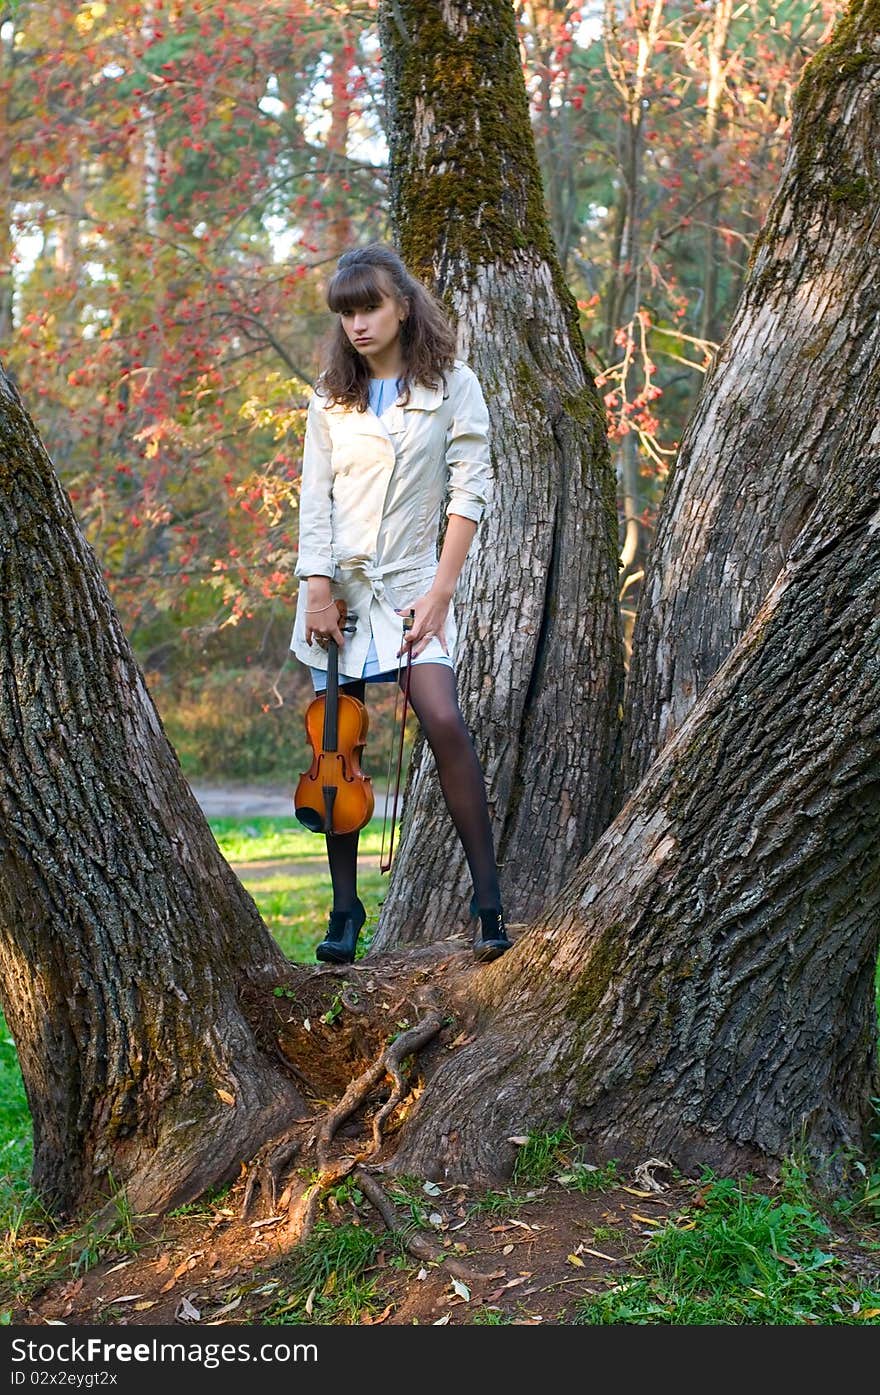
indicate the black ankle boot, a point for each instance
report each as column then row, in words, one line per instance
column 342, row 935
column 492, row 940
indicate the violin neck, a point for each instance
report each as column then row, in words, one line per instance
column 331, row 698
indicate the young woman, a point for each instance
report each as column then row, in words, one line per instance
column 395, row 424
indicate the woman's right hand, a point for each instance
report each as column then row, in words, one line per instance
column 322, row 618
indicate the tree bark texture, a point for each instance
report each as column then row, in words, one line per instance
column 125, row 938
column 797, row 377
column 703, row 989
column 539, row 656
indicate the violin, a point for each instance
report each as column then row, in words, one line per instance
column 334, row 795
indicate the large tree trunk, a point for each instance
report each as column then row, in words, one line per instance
column 703, row 989
column 125, row 939
column 704, row 986
column 538, row 594
column 797, row 375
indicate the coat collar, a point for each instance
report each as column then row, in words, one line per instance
column 424, row 399
column 421, row 399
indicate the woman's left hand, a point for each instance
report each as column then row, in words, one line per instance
column 429, row 622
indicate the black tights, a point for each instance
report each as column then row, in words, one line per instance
column 435, row 703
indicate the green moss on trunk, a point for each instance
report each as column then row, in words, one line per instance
column 474, row 196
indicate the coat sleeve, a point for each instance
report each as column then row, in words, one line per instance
column 315, row 499
column 467, row 447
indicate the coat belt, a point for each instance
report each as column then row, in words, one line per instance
column 375, row 572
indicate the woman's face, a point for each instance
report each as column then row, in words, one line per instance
column 374, row 328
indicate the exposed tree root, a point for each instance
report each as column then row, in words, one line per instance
column 267, row 1167
column 303, row 1211
column 387, row 1063
column 271, row 1167
column 419, row 1246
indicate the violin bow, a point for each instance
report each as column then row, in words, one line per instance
column 383, row 865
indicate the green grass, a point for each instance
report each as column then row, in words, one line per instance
column 250, row 840
column 541, row 1156
column 498, row 1204
column 332, row 1270
column 555, row 1156
column 740, row 1258
column 33, row 1250
column 15, row 1133
column 296, row 909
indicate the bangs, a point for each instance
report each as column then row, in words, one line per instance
column 354, row 288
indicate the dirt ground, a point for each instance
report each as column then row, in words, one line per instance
column 530, row 1265
column 529, row 1262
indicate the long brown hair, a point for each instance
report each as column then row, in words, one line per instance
column 427, row 339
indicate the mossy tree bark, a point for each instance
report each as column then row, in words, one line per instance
column 798, row 374
column 125, row 938
column 537, row 598
column 703, row 988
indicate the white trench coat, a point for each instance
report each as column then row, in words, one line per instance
column 372, row 492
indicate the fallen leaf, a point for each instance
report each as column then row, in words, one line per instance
column 225, row 1096
column 162, row 1262
column 368, row 1321
column 186, row 1312
column 599, row 1255
column 142, row 1307
column 124, row 1263
column 431, row 1189
column 462, row 1290
column 441, row 1322
column 869, row 1313
column 648, row 1220
column 644, row 1173
column 520, row 1139
column 422, row 1274
column 227, row 1308
column 508, row 1249
column 126, row 1298
column 634, row 1191
column 575, row 1259
column 310, row 1302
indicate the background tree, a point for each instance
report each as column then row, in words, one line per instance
column 179, row 178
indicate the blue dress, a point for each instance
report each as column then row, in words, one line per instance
column 383, row 394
